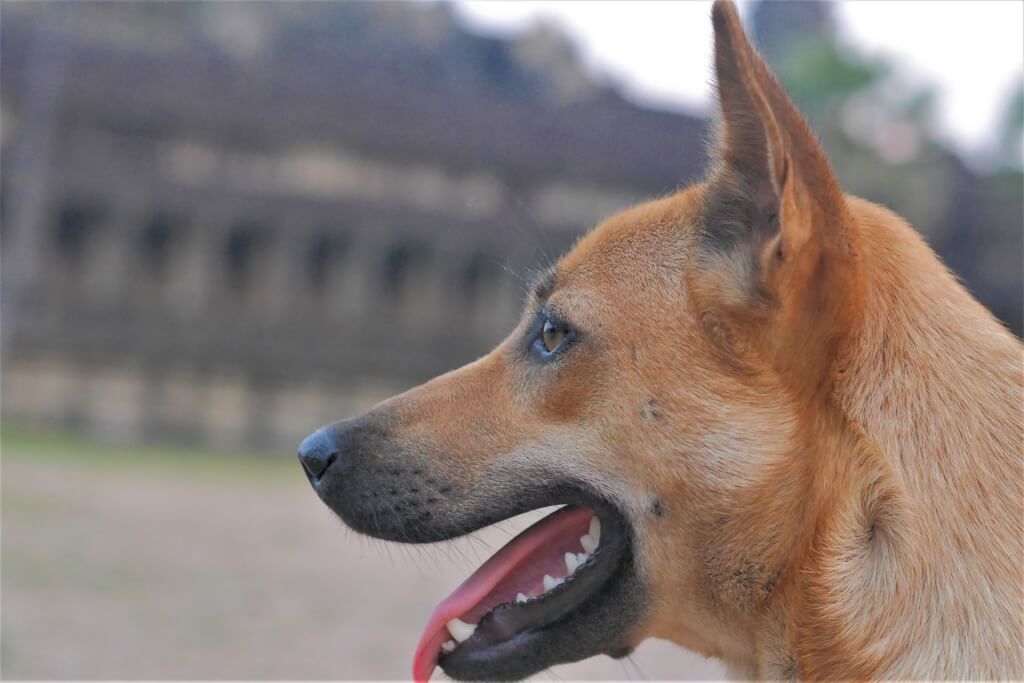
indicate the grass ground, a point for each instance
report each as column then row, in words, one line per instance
column 156, row 562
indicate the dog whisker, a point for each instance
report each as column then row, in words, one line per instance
column 631, row 660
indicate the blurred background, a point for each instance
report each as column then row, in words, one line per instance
column 225, row 224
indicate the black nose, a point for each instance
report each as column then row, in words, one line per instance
column 317, row 452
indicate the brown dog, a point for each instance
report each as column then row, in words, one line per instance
column 784, row 435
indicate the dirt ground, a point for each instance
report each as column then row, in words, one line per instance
column 161, row 564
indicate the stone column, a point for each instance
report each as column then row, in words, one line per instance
column 425, row 293
column 260, row 401
column 225, row 417
column 32, row 160
column 354, row 284
column 111, row 255
column 194, row 277
column 172, row 404
column 279, row 277
column 114, row 409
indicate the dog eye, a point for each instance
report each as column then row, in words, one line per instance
column 552, row 336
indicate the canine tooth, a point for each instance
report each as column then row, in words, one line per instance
column 581, row 558
column 588, row 543
column 447, row 646
column 571, row 562
column 460, row 630
column 521, row 598
column 595, row 530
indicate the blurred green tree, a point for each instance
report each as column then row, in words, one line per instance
column 1011, row 135
column 877, row 123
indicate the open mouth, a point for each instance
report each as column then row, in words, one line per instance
column 525, row 596
column 565, row 589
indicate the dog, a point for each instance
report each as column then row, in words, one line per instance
column 782, row 434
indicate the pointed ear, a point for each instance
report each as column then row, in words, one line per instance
column 774, row 213
column 749, row 148
column 765, row 149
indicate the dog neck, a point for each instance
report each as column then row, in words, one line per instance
column 913, row 480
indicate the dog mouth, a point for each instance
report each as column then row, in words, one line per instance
column 565, row 589
column 531, row 594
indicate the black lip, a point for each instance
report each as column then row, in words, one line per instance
column 511, row 639
column 406, row 504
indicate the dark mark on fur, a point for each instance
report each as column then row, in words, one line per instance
column 651, row 410
column 657, row 509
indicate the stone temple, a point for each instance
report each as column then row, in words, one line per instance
column 230, row 224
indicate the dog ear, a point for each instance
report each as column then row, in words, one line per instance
column 776, row 238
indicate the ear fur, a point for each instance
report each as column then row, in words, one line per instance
column 777, row 239
column 750, row 149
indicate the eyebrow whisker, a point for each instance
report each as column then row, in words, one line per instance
column 544, row 283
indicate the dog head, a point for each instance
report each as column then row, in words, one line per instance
column 658, row 384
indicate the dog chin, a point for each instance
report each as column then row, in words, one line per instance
column 563, row 590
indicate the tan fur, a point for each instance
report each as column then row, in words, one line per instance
column 828, row 424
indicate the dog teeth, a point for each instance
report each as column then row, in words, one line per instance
column 460, row 630
column 447, row 646
column 521, row 598
column 551, row 583
column 595, row 530
column 571, row 562
column 588, row 543
column 581, row 558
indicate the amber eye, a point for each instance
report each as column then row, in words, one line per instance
column 552, row 336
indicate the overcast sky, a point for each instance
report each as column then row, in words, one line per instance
column 971, row 50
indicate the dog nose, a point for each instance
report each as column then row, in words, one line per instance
column 317, row 452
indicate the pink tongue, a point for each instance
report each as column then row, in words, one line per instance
column 560, row 524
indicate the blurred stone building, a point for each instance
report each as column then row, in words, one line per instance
column 231, row 223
